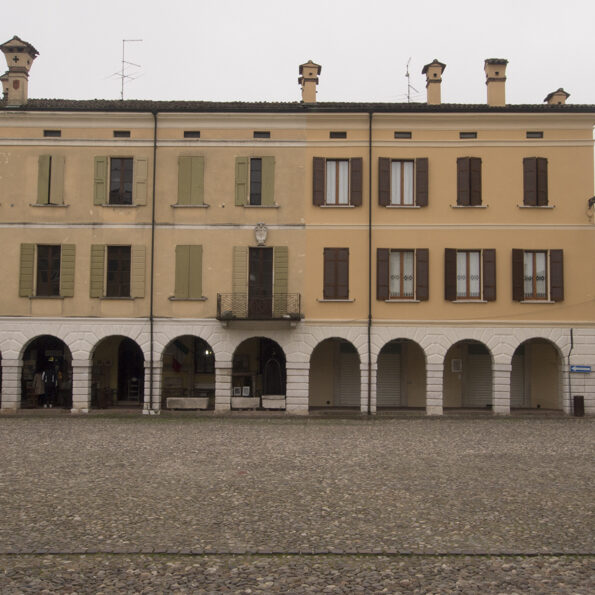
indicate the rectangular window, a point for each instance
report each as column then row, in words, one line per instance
column 469, row 181
column 50, row 180
column 402, row 274
column 401, row 183
column 467, row 134
column 188, row 281
column 535, row 182
column 118, row 271
column 262, row 134
column 191, row 133
column 535, row 275
column 336, row 274
column 48, row 270
column 337, row 182
column 255, row 181
column 402, row 134
column 534, row 134
column 468, row 275
column 52, row 133
column 120, row 192
column 337, row 134
column 121, row 133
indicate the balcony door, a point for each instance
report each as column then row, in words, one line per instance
column 260, row 283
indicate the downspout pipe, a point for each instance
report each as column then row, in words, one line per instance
column 570, row 403
column 370, row 115
column 152, row 272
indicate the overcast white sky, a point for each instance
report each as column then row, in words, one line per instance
column 230, row 50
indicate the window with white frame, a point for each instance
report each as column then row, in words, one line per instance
column 402, row 276
column 401, row 192
column 468, row 274
column 337, row 182
column 535, row 275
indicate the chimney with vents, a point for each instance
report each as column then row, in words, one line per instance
column 558, row 97
column 19, row 56
column 433, row 72
column 495, row 69
column 308, row 80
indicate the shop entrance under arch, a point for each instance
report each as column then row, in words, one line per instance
column 535, row 379
column 334, row 380
column 46, row 378
column 467, row 377
column 117, row 378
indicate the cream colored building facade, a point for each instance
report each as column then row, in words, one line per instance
column 297, row 255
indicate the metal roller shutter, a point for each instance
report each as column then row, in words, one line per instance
column 478, row 381
column 348, row 386
column 388, row 384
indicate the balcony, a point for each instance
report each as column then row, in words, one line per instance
column 243, row 306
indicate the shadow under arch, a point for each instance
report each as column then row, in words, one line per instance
column 335, row 378
column 117, row 375
column 467, row 377
column 46, row 377
column 536, row 376
column 401, row 375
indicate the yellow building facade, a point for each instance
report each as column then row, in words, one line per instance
column 296, row 255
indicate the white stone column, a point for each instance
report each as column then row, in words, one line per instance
column 363, row 374
column 223, row 386
column 81, row 385
column 501, row 388
column 434, row 388
column 156, row 408
column 374, row 374
column 297, row 389
column 11, row 384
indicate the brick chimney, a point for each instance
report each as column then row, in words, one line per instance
column 308, row 80
column 433, row 72
column 495, row 69
column 558, row 97
column 19, row 56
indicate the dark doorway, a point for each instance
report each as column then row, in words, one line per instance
column 260, row 285
column 130, row 373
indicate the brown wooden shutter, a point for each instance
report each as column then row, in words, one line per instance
column 336, row 273
column 450, row 274
column 356, row 166
column 382, row 273
column 422, row 266
column 463, row 181
column 318, row 179
column 475, row 181
column 489, row 275
column 530, row 181
column 556, row 275
column 421, row 182
column 542, row 182
column 383, row 182
column 518, row 266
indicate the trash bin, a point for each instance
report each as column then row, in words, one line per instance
column 578, row 402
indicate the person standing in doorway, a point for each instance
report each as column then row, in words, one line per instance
column 50, row 383
column 39, row 390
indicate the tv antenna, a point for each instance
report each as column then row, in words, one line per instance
column 122, row 74
column 409, row 85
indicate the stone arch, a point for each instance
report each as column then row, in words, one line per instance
column 401, row 375
column 468, row 375
column 335, row 376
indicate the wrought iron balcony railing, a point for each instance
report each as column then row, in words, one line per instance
column 243, row 306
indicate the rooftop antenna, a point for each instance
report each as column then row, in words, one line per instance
column 122, row 74
column 409, row 85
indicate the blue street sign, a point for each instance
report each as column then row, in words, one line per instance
column 581, row 369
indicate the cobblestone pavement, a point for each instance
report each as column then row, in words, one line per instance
column 221, row 504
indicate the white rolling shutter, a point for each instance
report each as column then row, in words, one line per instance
column 348, row 386
column 478, row 380
column 388, row 383
column 517, row 381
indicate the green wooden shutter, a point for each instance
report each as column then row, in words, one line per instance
column 43, row 180
column 140, row 174
column 190, row 180
column 97, row 270
column 26, row 270
column 67, row 259
column 57, row 180
column 280, row 280
column 242, row 164
column 239, row 281
column 137, row 271
column 182, row 266
column 268, row 181
column 100, row 183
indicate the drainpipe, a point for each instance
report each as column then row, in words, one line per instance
column 570, row 404
column 370, row 114
column 152, row 273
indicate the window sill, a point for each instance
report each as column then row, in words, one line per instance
column 534, row 302
column 110, row 206
column 464, row 301
column 469, row 206
column 275, row 206
column 402, row 207
column 50, row 205
column 348, row 300
column 46, row 297
column 337, row 206
column 172, row 298
column 536, row 207
column 203, row 206
column 402, row 301
column 127, row 298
